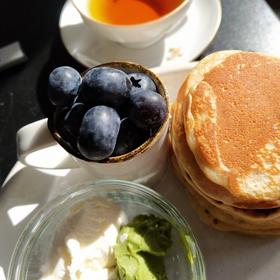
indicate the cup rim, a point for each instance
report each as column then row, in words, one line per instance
column 147, row 23
column 144, row 146
column 43, row 214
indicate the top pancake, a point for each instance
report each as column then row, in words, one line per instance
column 232, row 122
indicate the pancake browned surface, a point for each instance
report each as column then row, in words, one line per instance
column 184, row 153
column 232, row 124
column 269, row 217
column 258, row 197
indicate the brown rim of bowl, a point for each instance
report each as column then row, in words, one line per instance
column 127, row 67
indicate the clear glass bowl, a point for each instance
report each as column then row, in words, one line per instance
column 183, row 261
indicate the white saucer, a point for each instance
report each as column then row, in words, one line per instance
column 184, row 44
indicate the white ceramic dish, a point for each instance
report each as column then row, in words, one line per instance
column 227, row 256
column 184, row 43
column 133, row 35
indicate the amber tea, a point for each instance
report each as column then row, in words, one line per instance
column 125, row 12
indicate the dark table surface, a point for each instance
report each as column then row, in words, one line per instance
column 246, row 25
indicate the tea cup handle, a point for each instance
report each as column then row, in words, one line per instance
column 37, row 148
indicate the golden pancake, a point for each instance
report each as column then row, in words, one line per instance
column 232, row 124
column 216, row 218
column 261, row 218
column 205, row 213
column 183, row 154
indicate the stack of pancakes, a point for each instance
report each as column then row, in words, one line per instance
column 225, row 137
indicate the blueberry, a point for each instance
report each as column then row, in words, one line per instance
column 64, row 83
column 123, row 111
column 74, row 117
column 58, row 117
column 67, row 122
column 98, row 133
column 60, row 128
column 106, row 86
column 79, row 99
column 140, row 80
column 130, row 137
column 147, row 108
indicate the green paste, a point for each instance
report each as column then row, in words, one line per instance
column 141, row 247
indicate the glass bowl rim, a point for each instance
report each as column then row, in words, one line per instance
column 42, row 215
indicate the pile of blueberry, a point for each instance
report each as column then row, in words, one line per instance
column 107, row 112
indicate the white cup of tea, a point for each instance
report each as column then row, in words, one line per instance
column 135, row 24
column 40, row 145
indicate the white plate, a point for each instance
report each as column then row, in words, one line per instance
column 184, row 44
column 227, row 256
